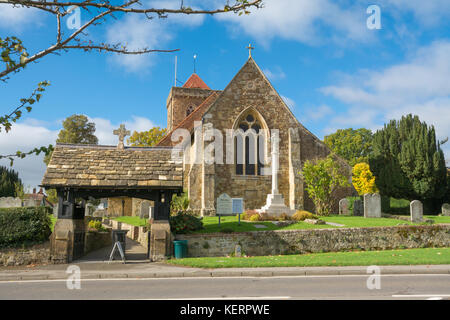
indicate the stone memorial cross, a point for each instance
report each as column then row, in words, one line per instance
column 122, row 132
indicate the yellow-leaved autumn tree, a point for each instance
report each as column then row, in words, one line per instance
column 363, row 180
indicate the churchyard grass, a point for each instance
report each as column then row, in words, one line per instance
column 211, row 224
column 134, row 221
column 438, row 219
column 355, row 258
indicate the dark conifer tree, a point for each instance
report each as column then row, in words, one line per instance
column 408, row 161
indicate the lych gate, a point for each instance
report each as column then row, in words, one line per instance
column 83, row 172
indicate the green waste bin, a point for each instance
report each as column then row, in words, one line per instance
column 180, row 248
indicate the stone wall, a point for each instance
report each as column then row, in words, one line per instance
column 117, row 209
column 10, row 202
column 37, row 254
column 261, row 243
column 96, row 240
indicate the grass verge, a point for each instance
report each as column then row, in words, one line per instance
column 421, row 256
column 134, row 221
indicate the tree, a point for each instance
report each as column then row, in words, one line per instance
column 10, row 184
column 323, row 177
column 15, row 56
column 76, row 129
column 363, row 179
column 352, row 145
column 408, row 161
column 147, row 138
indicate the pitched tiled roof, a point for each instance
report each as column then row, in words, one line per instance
column 106, row 166
column 188, row 122
column 195, row 81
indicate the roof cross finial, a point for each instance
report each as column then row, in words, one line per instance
column 250, row 48
column 122, row 132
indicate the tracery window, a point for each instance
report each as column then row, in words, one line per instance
column 249, row 145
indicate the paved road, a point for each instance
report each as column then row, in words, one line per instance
column 299, row 287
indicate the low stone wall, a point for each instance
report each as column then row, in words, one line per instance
column 262, row 243
column 37, row 254
column 96, row 240
column 139, row 234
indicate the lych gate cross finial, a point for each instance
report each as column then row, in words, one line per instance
column 122, row 132
column 250, row 48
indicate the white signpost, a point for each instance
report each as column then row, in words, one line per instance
column 224, row 206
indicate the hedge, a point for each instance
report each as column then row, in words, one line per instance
column 26, row 225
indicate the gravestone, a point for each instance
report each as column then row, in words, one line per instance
column 344, row 207
column 372, row 205
column 446, row 209
column 145, row 210
column 416, row 210
column 237, row 251
column 358, row 208
column 10, row 202
column 55, row 210
column 224, row 205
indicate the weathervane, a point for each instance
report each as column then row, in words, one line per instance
column 195, row 58
column 250, row 48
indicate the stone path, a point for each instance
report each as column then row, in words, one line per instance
column 134, row 251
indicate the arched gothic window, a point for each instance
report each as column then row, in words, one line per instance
column 249, row 145
column 189, row 110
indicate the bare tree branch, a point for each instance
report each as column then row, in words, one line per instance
column 237, row 6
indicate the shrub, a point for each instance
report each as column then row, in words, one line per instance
column 255, row 217
column 185, row 222
column 284, row 217
column 27, row 225
column 247, row 214
column 97, row 225
column 301, row 215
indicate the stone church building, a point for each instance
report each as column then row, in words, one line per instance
column 241, row 119
column 248, row 102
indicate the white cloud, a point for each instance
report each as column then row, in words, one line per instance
column 429, row 13
column 137, row 32
column 302, row 20
column 16, row 18
column 32, row 133
column 276, row 74
column 419, row 86
column 318, row 113
column 289, row 102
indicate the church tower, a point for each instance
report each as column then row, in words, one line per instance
column 183, row 100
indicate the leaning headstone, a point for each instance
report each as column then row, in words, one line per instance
column 358, row 208
column 446, row 209
column 416, row 210
column 151, row 213
column 372, row 205
column 344, row 205
column 145, row 210
column 224, row 205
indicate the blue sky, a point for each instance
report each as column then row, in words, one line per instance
column 320, row 56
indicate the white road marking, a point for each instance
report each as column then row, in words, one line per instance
column 229, row 277
column 225, row 298
column 420, row 295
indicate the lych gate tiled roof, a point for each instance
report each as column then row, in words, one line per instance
column 107, row 166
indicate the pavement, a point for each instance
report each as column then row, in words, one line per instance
column 96, row 265
column 147, row 270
